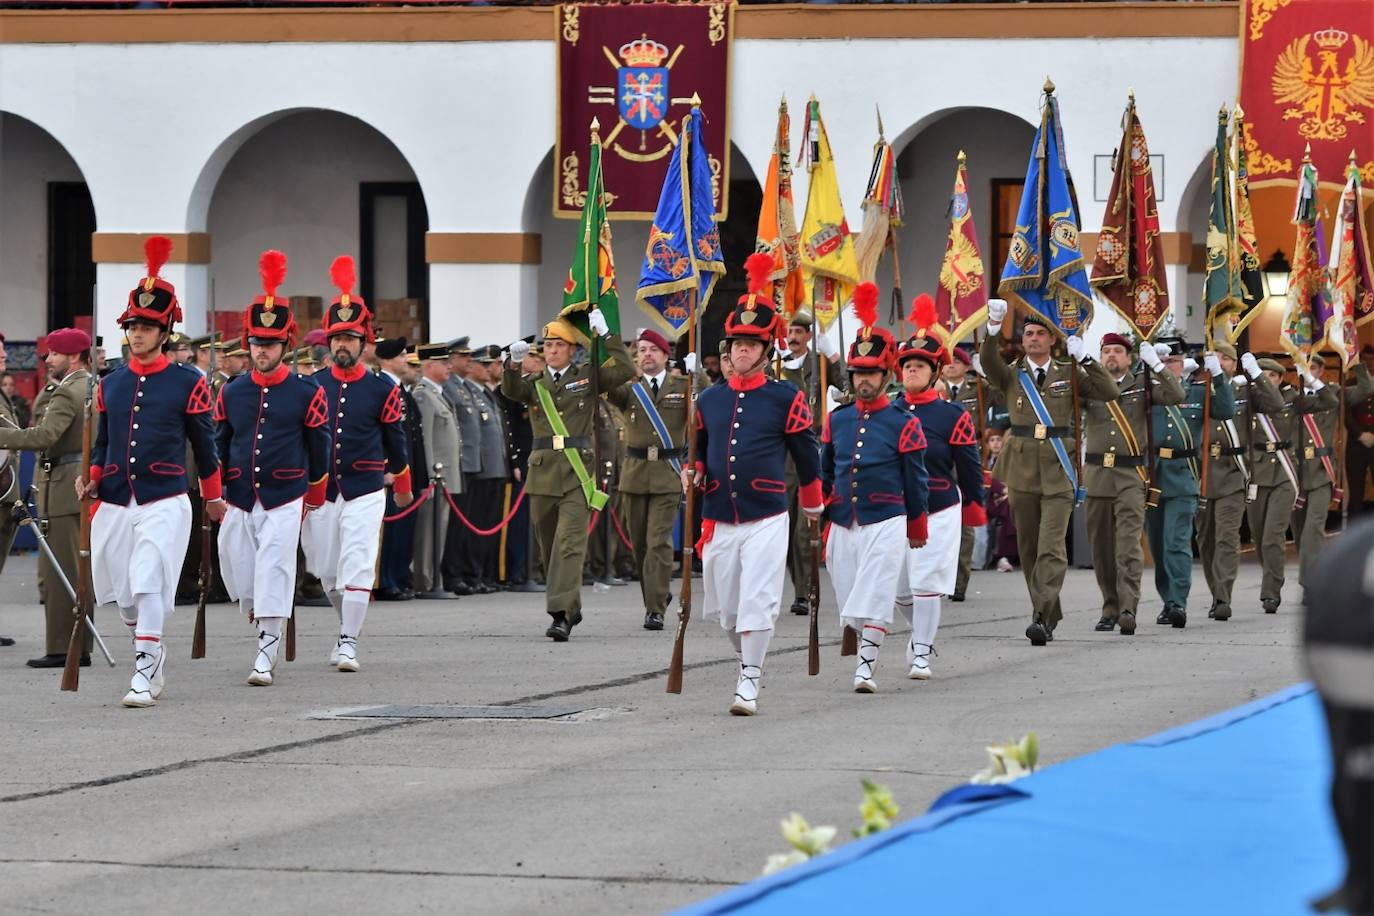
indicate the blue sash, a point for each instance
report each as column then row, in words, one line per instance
column 659, row 426
column 1042, row 413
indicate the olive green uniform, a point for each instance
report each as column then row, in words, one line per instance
column 1315, row 484
column 1114, row 475
column 1228, row 475
column 1178, row 439
column 973, row 394
column 799, row 536
column 56, row 436
column 558, row 509
column 1042, row 498
column 650, row 487
column 9, row 420
column 1275, row 496
column 611, row 450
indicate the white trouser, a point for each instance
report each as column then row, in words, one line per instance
column 342, row 538
column 865, row 564
column 743, row 569
column 139, row 549
column 257, row 556
column 932, row 569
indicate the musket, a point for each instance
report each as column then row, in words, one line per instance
column 85, row 606
column 684, row 610
column 198, row 634
column 813, row 645
column 290, row 618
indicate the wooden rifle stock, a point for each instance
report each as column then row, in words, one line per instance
column 291, row 637
column 684, row 610
column 71, row 671
column 813, row 646
column 198, row 635
column 849, row 642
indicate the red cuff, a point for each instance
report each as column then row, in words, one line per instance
column 810, row 495
column 210, row 489
column 400, row 483
column 916, row 528
column 708, row 530
column 315, row 493
column 974, row 515
column 95, row 473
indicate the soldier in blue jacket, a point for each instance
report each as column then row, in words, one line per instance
column 745, row 431
column 873, row 468
column 367, row 451
column 149, row 409
column 273, row 448
column 955, row 471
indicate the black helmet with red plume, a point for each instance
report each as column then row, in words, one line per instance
column 153, row 300
column 269, row 318
column 755, row 317
column 874, row 347
column 348, row 314
column 926, row 343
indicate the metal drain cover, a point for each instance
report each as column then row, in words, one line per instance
column 454, row 712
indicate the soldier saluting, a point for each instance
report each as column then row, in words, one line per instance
column 56, row 436
column 274, row 449
column 149, row 409
column 559, row 481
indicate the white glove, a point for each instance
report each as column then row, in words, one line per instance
column 835, row 394
column 997, row 312
column 1213, row 364
column 793, row 362
column 1150, row 357
column 781, row 352
column 518, row 351
column 597, row 322
column 1075, row 348
column 1189, row 365
column 1250, row 365
column 977, row 364
column 827, row 347
column 689, row 363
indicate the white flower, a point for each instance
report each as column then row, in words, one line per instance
column 807, row 839
column 781, row 860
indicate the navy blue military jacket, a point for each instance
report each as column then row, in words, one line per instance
column 873, row 466
column 952, row 458
column 148, row 412
column 744, row 431
column 273, row 445
column 365, row 422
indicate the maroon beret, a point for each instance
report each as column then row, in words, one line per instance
column 962, row 356
column 315, row 338
column 68, row 341
column 656, row 339
column 1110, row 339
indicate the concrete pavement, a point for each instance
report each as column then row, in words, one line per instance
column 232, row 799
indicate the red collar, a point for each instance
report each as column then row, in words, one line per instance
column 157, row 365
column 349, row 375
column 278, row 375
column 748, row 382
column 873, row 406
column 923, row 397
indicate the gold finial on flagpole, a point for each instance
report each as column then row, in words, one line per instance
column 696, row 100
column 1238, row 112
column 1049, row 85
column 1307, row 155
column 962, row 159
column 1130, row 94
column 879, row 112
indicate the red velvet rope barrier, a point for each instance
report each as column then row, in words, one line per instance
column 488, row 531
column 620, row 532
column 419, row 500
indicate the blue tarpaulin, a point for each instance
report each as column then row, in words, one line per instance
column 1227, row 815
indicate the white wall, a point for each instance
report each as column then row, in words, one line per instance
column 29, row 159
column 474, row 135
column 294, row 186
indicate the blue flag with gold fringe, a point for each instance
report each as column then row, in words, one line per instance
column 683, row 258
column 1044, row 272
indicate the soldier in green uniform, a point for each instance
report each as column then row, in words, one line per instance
column 1116, row 475
column 1178, row 437
column 610, row 447
column 652, row 483
column 56, row 437
column 1275, row 473
column 1228, row 478
column 801, row 367
column 1038, row 486
column 559, row 480
column 966, row 388
column 1314, row 435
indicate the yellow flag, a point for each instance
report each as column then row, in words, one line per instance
column 832, row 270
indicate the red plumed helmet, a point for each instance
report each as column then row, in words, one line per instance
column 153, row 300
column 755, row 317
column 926, row 343
column 873, row 348
column 269, row 318
column 348, row 314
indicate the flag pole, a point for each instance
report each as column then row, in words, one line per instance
column 593, row 358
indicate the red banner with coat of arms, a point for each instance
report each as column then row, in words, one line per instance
column 1307, row 77
column 636, row 69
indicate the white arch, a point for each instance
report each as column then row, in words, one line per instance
column 14, row 112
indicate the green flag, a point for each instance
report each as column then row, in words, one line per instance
column 1222, row 294
column 591, row 278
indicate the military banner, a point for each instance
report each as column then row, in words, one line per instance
column 1247, row 247
column 1352, row 272
column 832, row 270
column 1306, row 312
column 778, row 236
column 637, row 68
column 1307, row 76
column 961, row 301
column 591, row 277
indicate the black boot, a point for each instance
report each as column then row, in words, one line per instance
column 559, row 630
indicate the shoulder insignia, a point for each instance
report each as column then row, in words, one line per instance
column 392, row 410
column 913, row 437
column 318, row 410
column 199, row 400
column 963, row 432
column 219, row 414
column 798, row 415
